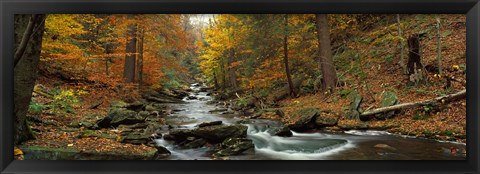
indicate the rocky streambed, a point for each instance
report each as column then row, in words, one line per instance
column 208, row 129
column 191, row 125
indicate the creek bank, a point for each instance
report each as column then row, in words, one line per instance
column 45, row 153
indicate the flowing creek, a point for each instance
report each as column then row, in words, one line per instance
column 351, row 145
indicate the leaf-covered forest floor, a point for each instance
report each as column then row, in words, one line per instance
column 57, row 130
column 379, row 76
column 379, row 72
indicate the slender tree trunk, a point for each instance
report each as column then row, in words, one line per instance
column 131, row 51
column 285, row 58
column 25, row 71
column 326, row 58
column 215, row 80
column 402, row 57
column 439, row 46
column 232, row 70
column 107, row 57
column 140, row 56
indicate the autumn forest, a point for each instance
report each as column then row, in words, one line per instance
column 240, row 87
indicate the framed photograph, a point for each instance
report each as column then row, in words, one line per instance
column 235, row 86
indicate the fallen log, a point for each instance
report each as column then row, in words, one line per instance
column 444, row 99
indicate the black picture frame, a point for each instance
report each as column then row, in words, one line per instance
column 10, row 7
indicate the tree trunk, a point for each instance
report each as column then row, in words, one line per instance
column 439, row 46
column 25, row 71
column 130, row 50
column 402, row 57
column 444, row 99
column 414, row 62
column 215, row 80
column 140, row 56
column 232, row 70
column 285, row 58
column 327, row 67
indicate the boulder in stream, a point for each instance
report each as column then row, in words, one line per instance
column 304, row 119
column 213, row 134
column 212, row 123
column 280, row 131
column 234, row 146
column 218, row 110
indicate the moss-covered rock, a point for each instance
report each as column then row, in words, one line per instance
column 134, row 138
column 303, row 119
column 280, row 131
column 355, row 101
column 234, row 146
column 388, row 99
column 326, row 121
column 213, row 134
column 92, row 133
column 46, row 153
column 118, row 116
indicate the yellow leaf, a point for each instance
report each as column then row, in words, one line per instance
column 70, row 145
column 17, row 151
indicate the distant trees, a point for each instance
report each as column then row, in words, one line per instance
column 29, row 31
column 270, row 51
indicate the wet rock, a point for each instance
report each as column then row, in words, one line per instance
column 305, row 119
column 143, row 114
column 355, row 101
column 195, row 143
column 384, row 146
column 234, row 146
column 213, row 134
column 153, row 128
column 212, row 123
column 192, row 97
column 135, row 138
column 218, row 110
column 162, row 152
column 280, row 131
column 245, row 121
column 212, row 102
column 204, row 89
column 388, row 99
column 280, row 113
column 326, row 121
column 228, row 112
column 133, row 126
